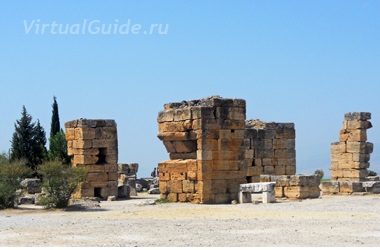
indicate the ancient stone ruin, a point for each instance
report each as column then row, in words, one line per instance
column 204, row 140
column 127, row 179
column 92, row 144
column 213, row 150
column 350, row 158
column 269, row 149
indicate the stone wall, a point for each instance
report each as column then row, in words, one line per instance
column 92, row 145
column 269, row 149
column 204, row 139
column 127, row 177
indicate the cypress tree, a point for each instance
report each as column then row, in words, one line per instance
column 28, row 141
column 55, row 126
column 57, row 140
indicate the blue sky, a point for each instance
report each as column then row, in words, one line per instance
column 306, row 62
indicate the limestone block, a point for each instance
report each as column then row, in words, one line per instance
column 203, row 113
column 82, row 144
column 352, row 165
column 350, row 173
column 70, row 134
column 268, row 197
column 179, row 126
column 338, row 147
column 111, row 159
column 164, row 176
column 205, row 124
column 185, row 146
column 353, row 135
column 369, row 147
column 207, row 144
column 254, row 171
column 88, row 151
column 174, row 186
column 97, row 177
column 284, row 144
column 266, row 134
column 263, row 144
column 250, row 133
column 279, row 192
column 350, row 187
column 188, row 186
column 178, row 175
column 182, row 114
column 372, row 186
column 330, row 187
column 285, row 153
column 165, row 116
column 341, row 157
column 163, row 187
column 358, row 157
column 173, row 197
column 173, row 136
column 264, row 153
column 84, row 133
column 106, row 143
column 174, row 156
column 107, row 133
column 279, row 170
column 205, row 155
column 232, row 124
column 357, row 116
column 301, row 192
column 268, row 170
column 182, row 197
column 85, row 159
column 227, row 175
column 285, row 133
column 112, row 176
column 258, row 162
column 290, row 170
column 356, row 147
column 94, row 168
column 71, row 124
column 356, row 124
column 249, row 154
column 222, row 198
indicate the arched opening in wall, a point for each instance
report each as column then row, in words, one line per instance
column 102, row 156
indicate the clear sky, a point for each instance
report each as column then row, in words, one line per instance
column 306, row 62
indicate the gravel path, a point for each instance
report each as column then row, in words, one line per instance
column 327, row 222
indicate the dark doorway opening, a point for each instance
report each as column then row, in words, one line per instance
column 97, row 192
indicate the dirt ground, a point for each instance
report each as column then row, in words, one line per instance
column 330, row 221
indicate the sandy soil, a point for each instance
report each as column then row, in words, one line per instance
column 330, row 221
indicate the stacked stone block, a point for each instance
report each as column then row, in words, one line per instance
column 92, row 145
column 294, row 186
column 269, row 149
column 204, row 139
column 127, row 177
column 350, row 156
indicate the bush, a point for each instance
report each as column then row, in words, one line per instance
column 319, row 172
column 60, row 182
column 372, row 173
column 11, row 175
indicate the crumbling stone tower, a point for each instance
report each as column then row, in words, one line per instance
column 204, row 139
column 92, row 144
column 350, row 156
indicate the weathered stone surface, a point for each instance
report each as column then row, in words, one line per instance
column 363, row 116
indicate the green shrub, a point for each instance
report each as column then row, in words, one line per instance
column 372, row 173
column 319, row 172
column 11, row 175
column 60, row 182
